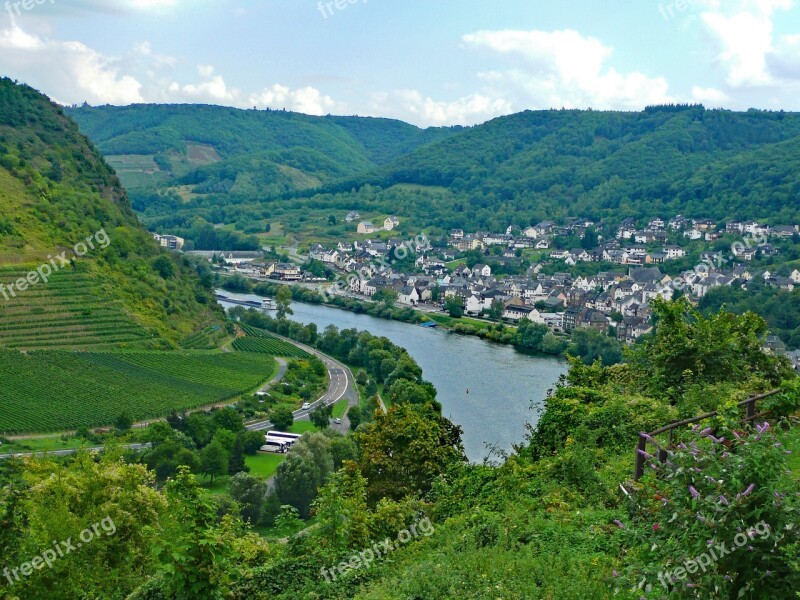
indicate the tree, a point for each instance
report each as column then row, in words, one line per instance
column 454, row 306
column 283, row 300
column 282, row 417
column 250, row 493
column 354, row 416
column 387, row 296
column 213, row 460
column 124, row 422
column 404, row 450
column 321, row 416
column 496, row 309
column 305, row 470
column 332, row 220
column 252, row 441
column 164, row 266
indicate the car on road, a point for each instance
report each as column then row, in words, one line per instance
column 306, row 406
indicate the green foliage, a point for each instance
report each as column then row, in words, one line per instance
column 716, row 492
column 689, row 349
column 281, row 416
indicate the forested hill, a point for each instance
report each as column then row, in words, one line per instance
column 222, row 149
column 663, row 161
column 526, row 167
column 56, row 192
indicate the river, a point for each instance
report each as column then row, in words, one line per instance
column 490, row 390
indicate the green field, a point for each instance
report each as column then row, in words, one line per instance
column 264, row 465
column 70, row 311
column 301, row 427
column 55, row 390
column 263, row 342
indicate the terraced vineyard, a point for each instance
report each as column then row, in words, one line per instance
column 205, row 339
column 263, row 342
column 70, row 311
column 45, row 391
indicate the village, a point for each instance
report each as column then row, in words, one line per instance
column 607, row 286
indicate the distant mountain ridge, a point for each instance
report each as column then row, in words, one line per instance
column 521, row 168
column 284, row 151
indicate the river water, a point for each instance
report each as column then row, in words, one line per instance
column 490, row 390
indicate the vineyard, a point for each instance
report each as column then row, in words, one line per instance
column 263, row 342
column 54, row 390
column 70, row 311
column 205, row 339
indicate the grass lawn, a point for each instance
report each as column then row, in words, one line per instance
column 302, row 427
column 264, row 465
column 218, row 488
column 340, row 408
column 449, row 321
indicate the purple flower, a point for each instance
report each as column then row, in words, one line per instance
column 618, row 523
column 723, row 500
column 695, row 494
column 748, row 491
column 614, row 573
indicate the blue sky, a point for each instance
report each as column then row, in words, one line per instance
column 430, row 62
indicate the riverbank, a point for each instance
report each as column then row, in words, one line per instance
column 530, row 338
column 493, row 391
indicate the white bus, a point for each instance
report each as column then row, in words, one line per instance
column 277, row 445
column 289, row 437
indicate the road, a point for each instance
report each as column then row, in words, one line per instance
column 341, row 384
column 70, row 451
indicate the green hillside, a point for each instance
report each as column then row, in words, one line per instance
column 665, row 160
column 258, row 152
column 112, row 283
column 254, row 168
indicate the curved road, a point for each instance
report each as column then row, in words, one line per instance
column 341, row 384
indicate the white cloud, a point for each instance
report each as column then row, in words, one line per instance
column 745, row 40
column 565, row 69
column 71, row 70
column 306, row 100
column 414, row 107
column 710, row 97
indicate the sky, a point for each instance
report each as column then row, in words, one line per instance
column 427, row 62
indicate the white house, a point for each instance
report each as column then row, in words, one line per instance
column 481, row 270
column 366, row 227
column 795, row 276
column 693, row 234
column 531, row 232
column 674, row 252
column 515, row 312
column 390, row 223
column 408, row 295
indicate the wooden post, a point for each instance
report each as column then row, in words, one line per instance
column 640, row 457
